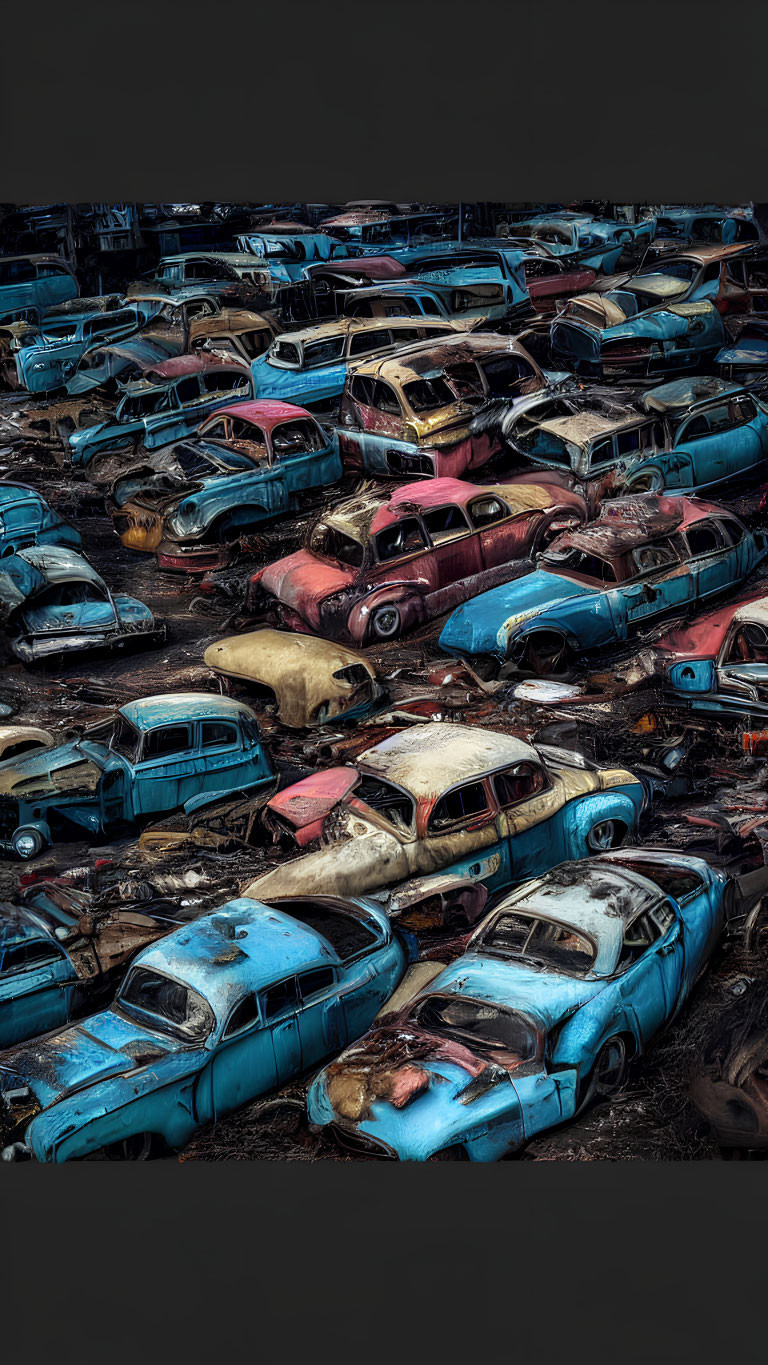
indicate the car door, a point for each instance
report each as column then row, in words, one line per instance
column 500, row 537
column 322, row 1026
column 221, row 762
column 42, row 367
column 37, row 983
column 671, row 954
column 713, row 561
column 168, row 422
column 303, row 457
column 641, row 987
column 662, row 582
column 529, row 820
column 243, row 1064
column 166, row 774
column 279, row 1009
column 455, row 548
column 723, row 441
column 55, row 284
column 404, row 555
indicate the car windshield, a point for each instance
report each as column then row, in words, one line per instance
column 575, row 563
column 166, row 1005
column 125, row 739
column 427, row 395
column 477, row 1024
column 538, row 940
column 200, row 464
column 676, row 270
column 331, row 543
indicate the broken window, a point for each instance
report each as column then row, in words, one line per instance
column 393, row 803
column 445, row 523
column 286, row 351
column 279, row 999
column 312, row 983
column 243, row 1015
column 572, row 561
column 487, row 511
column 704, row 538
column 165, row 741
column 301, row 437
column 643, row 932
column 26, row 957
column 541, row 940
column 518, row 783
column 648, row 557
column 458, row 806
column 125, row 740
column 167, row 1005
column 474, row 1022
column 427, row 395
column 749, row 644
column 218, row 734
column 679, row 882
column 330, row 543
column 405, row 537
column 504, row 374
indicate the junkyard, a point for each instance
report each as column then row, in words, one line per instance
column 384, row 705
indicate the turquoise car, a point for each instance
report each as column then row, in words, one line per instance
column 34, row 282
column 48, row 362
column 210, row 1017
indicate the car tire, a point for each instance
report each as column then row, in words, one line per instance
column 27, row 833
column 545, row 654
column 652, row 481
column 609, row 1071
column 137, row 1147
column 603, row 835
column 386, row 622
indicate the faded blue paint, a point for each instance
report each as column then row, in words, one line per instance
column 573, row 1017
column 287, row 257
column 39, row 988
column 113, row 789
column 92, row 1083
column 100, row 364
column 26, row 519
column 49, row 363
column 35, row 281
column 705, row 224
column 675, row 337
column 735, row 446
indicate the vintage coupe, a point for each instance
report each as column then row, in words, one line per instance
column 53, row 602
column 645, row 558
column 438, row 796
column 562, row 983
column 379, row 564
column 718, row 663
column 161, row 753
column 210, row 1017
column 613, row 335
column 246, row 465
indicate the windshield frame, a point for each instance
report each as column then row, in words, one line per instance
column 467, row 1040
column 156, row 1023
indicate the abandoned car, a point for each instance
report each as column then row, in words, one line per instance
column 26, row 519
column 46, row 361
column 159, row 754
column 35, row 282
column 244, row 466
column 567, row 979
column 312, row 681
column 606, row 335
column 442, row 796
column 234, row 334
column 595, row 242
column 167, row 404
column 718, row 662
column 210, row 1017
column 53, row 602
column 646, row 557
column 378, row 565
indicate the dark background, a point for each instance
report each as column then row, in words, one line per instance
column 326, row 100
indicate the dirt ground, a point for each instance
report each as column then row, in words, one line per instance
column 652, row 1117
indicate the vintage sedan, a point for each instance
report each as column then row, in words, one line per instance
column 595, row 242
column 160, row 754
column 561, row 985
column 26, row 519
column 744, row 357
column 645, row 558
column 245, row 466
column 167, row 404
column 408, row 416
column 309, row 366
column 610, row 335
column 310, row 681
column 717, row 663
column 210, row 1017
column 234, row 334
column 55, row 603
column 440, row 796
column 38, row 281
column 380, row 564
column 705, row 224
column 707, row 273
column 48, row 362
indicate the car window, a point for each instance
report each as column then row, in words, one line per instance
column 704, row 537
column 459, row 805
column 486, row 511
column 429, row 395
column 330, row 543
column 518, row 783
column 647, row 557
column 126, row 739
column 429, row 305
column 311, row 983
column 402, row 335
column 188, row 390
column 384, row 398
column 571, row 560
column 224, row 381
column 171, row 1006
column 542, row 940
column 445, row 523
column 363, row 342
column 601, row 452
column 638, row 937
column 25, row 957
column 217, row 733
column 244, row 1014
column 405, row 537
column 324, row 352
column 249, row 728
column 278, row 999
column 297, row 438
column 477, row 1023
column 168, row 739
column 628, row 442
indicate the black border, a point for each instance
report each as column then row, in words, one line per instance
column 312, row 100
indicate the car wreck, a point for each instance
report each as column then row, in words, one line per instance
column 717, row 663
column 233, row 334
column 54, row 603
column 377, row 566
column 46, row 361
column 26, row 519
column 159, row 754
column 440, row 797
column 561, row 985
column 245, row 466
column 607, row 335
column 645, row 558
column 210, row 1017
column 311, row 680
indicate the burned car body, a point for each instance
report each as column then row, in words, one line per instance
column 37, row 281
column 569, row 977
column 213, row 1015
column 67, row 333
column 605, row 335
column 376, row 566
column 170, row 402
column 162, row 752
column 409, row 415
column 26, row 519
column 596, row 242
column 744, row 358
column 718, row 663
column 233, row 334
column 644, row 558
column 313, row 681
column 245, row 466
column 439, row 797
column 54, row 603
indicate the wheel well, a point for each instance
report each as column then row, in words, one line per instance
column 231, row 519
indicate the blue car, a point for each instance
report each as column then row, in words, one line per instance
column 618, row 335
column 183, row 749
column 26, row 519
column 169, row 403
column 715, row 440
column 286, row 257
column 212, row 1016
column 561, row 985
column 597, row 242
column 37, row 281
column 48, row 362
column 705, row 224
column 744, row 358
column 645, row 558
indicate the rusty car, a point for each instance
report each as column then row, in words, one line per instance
column 27, row 519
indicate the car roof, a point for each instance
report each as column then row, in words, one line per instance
column 11, row 493
column 186, row 364
column 58, row 562
column 437, row 492
column 582, row 427
column 419, row 360
column 428, row 759
column 266, row 412
column 241, row 947
column 175, row 707
column 702, row 637
column 342, row 326
column 636, row 519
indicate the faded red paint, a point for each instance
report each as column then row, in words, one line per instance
column 702, row 638
column 185, row 364
column 306, row 805
column 265, row 412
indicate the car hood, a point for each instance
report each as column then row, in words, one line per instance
column 302, row 581
column 69, row 767
column 473, row 628
column 103, row 1046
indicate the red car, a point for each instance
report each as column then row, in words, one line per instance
column 380, row 564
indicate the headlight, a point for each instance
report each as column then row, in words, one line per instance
column 184, row 519
column 26, row 845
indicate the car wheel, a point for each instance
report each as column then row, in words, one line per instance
column 609, row 1071
column 138, row 1147
column 546, row 654
column 756, row 928
column 650, row 481
column 602, row 836
column 386, row 622
column 28, row 842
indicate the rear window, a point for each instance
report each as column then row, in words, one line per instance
column 345, row 933
column 540, row 941
column 678, row 882
column 427, row 395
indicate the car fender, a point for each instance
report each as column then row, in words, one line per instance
column 579, row 817
column 544, row 621
column 407, row 595
column 41, row 826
